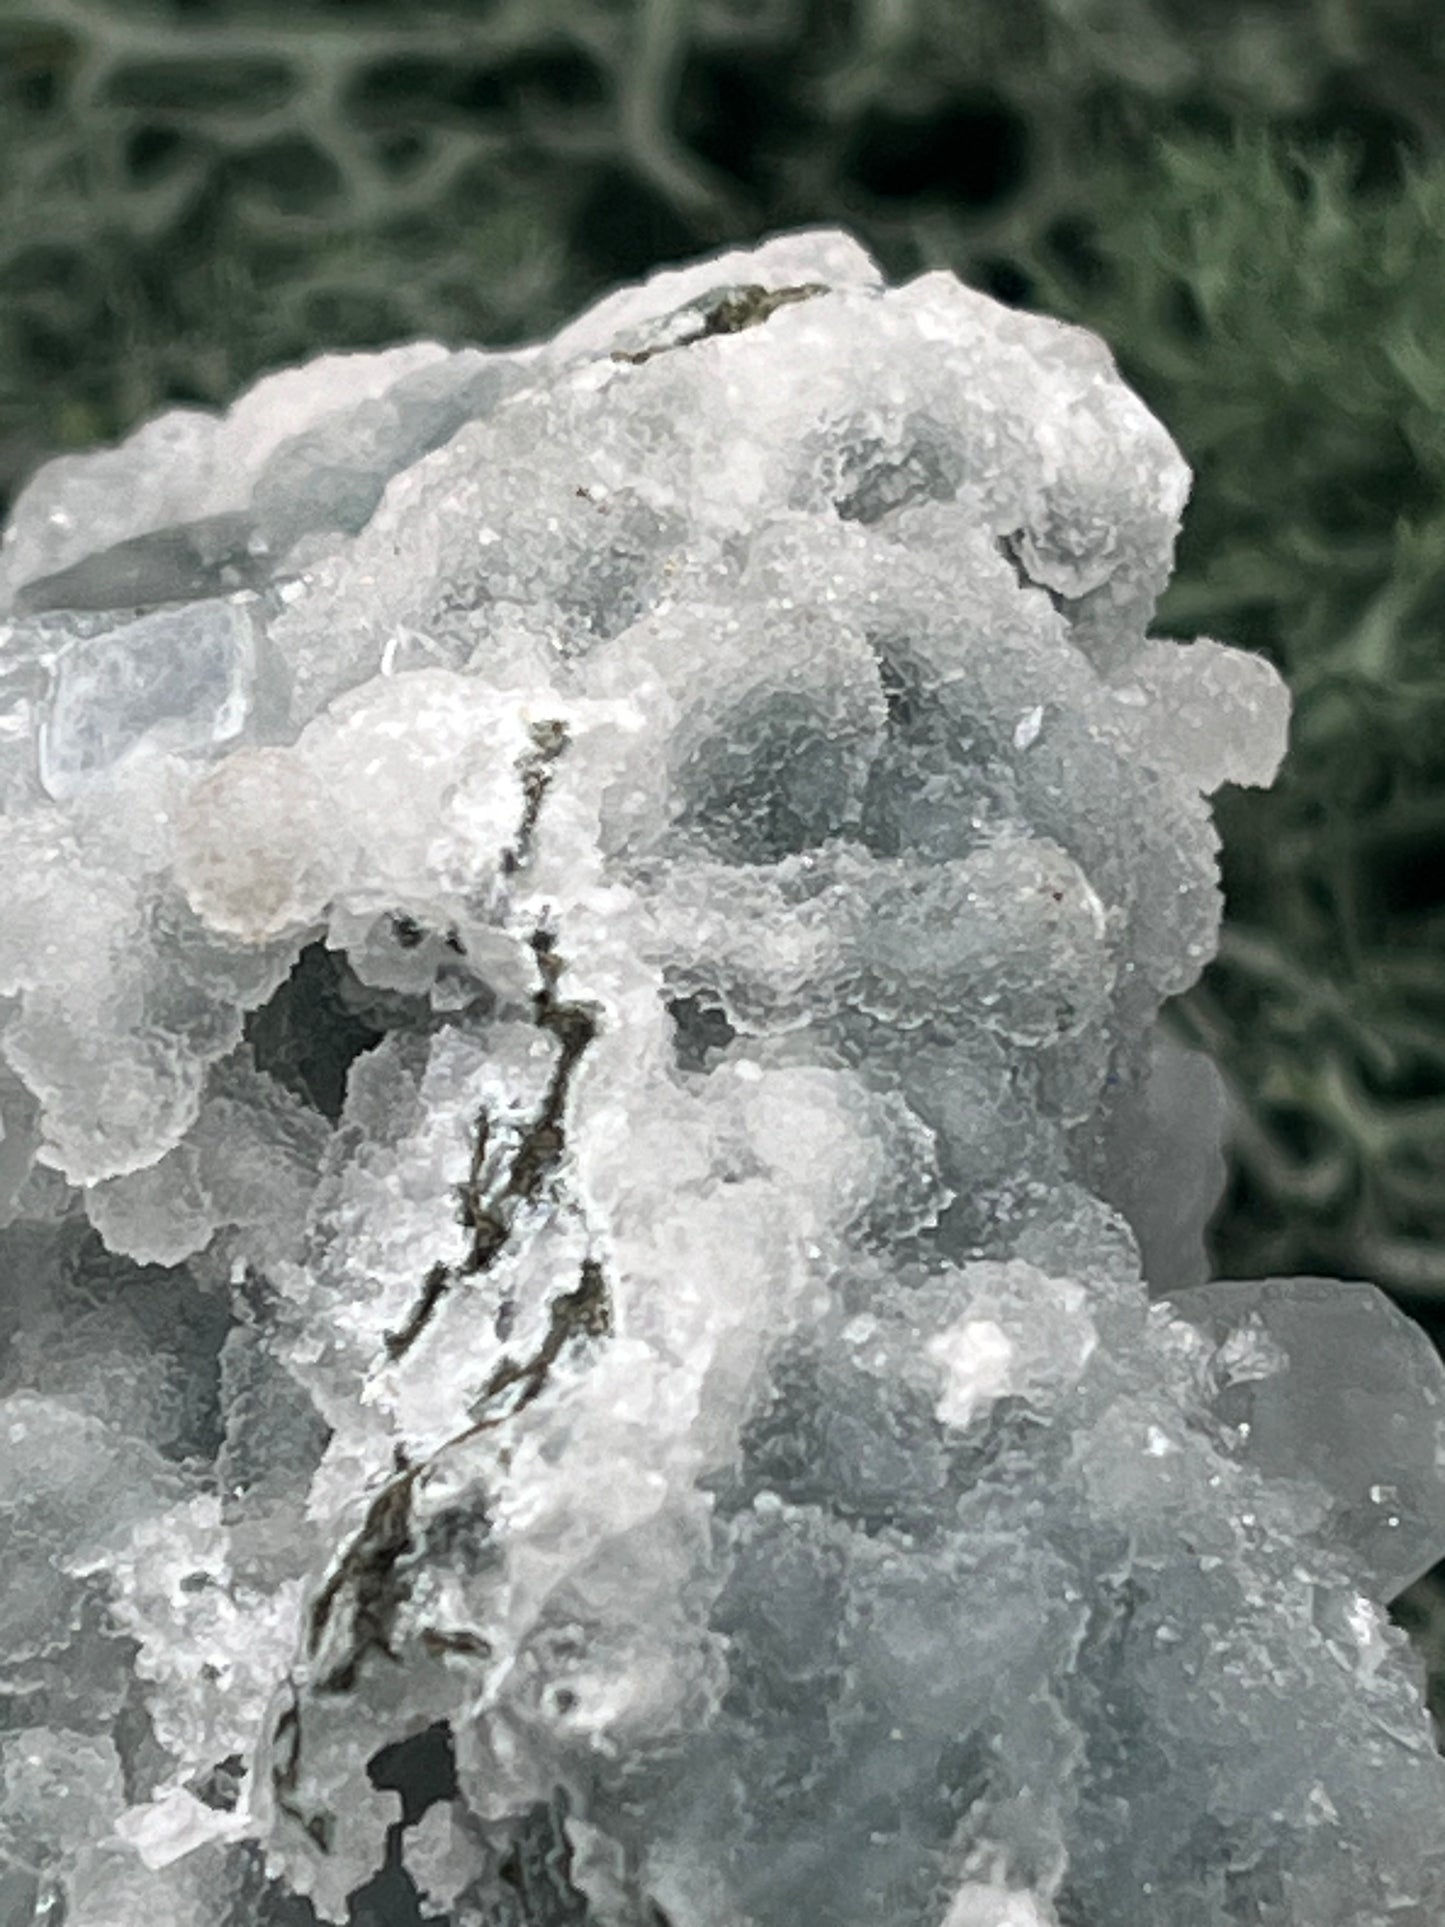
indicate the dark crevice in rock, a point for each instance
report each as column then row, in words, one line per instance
column 490, row 1220
column 307, row 1036
column 421, row 1769
column 319, row 1827
column 702, row 1031
column 369, row 1565
column 574, row 1026
column 490, row 1217
column 220, row 1787
column 434, row 1289
column 390, row 1898
column 437, row 1641
column 585, row 1311
column 488, row 1227
column 549, row 738
column 730, row 314
column 313, row 1028
column 369, row 1568
column 409, row 934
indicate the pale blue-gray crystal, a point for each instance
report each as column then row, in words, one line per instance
column 186, row 670
column 1324, row 1381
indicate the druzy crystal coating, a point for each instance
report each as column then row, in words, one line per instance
column 603, row 1277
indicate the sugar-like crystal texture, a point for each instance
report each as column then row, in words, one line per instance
column 604, row 1315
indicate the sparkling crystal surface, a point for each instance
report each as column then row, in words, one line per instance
column 603, row 1314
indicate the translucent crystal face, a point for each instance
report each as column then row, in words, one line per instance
column 584, row 1143
column 186, row 672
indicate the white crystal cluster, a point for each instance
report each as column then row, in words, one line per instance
column 589, row 1188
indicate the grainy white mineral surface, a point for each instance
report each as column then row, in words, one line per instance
column 590, row 1191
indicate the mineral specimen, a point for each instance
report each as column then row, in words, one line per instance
column 590, row 1188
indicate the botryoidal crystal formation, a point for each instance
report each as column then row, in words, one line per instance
column 603, row 1306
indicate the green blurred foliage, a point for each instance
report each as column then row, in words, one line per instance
column 1280, row 318
column 194, row 190
column 1278, row 309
